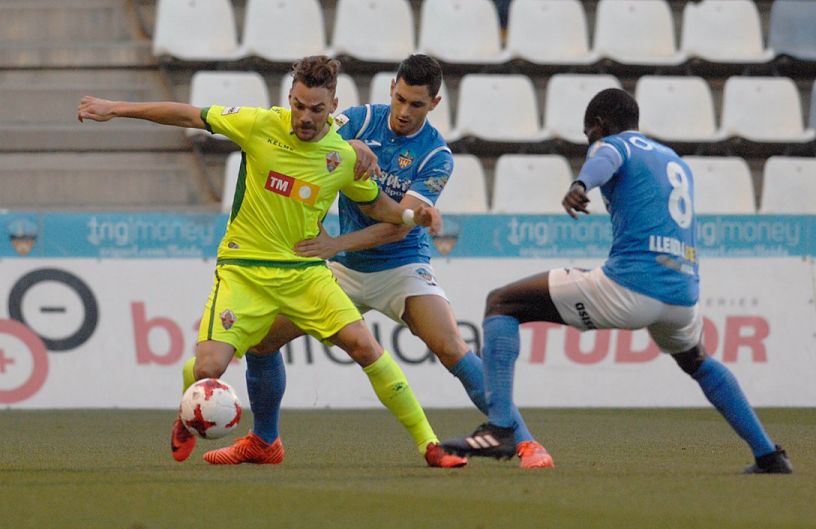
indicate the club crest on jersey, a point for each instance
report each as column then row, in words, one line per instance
column 333, row 161
column 340, row 120
column 227, row 319
column 405, row 159
column 289, row 187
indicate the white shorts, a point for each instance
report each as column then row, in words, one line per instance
column 587, row 299
column 387, row 290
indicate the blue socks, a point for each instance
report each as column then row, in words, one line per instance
column 470, row 372
column 722, row 389
column 501, row 348
column 266, row 383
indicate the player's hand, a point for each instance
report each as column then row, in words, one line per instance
column 95, row 109
column 576, row 200
column 429, row 217
column 366, row 161
column 323, row 246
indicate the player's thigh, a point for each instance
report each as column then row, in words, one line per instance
column 281, row 333
column 527, row 299
column 353, row 284
column 315, row 303
column 587, row 299
column 678, row 329
column 239, row 309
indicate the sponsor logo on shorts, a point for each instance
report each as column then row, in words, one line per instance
column 227, row 319
column 584, row 315
column 293, row 188
column 230, row 110
column 425, row 274
column 333, row 161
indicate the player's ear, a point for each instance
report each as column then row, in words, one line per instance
column 334, row 104
column 435, row 101
column 393, row 86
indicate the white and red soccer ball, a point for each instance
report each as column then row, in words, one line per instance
column 210, row 408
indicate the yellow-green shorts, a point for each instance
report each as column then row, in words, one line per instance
column 245, row 300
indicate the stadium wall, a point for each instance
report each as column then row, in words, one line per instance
column 100, row 310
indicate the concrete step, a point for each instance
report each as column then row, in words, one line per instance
column 123, row 135
column 76, row 180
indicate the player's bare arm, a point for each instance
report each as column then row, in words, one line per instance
column 366, row 164
column 385, row 209
column 163, row 112
column 576, row 200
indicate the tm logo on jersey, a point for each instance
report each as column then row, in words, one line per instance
column 292, row 188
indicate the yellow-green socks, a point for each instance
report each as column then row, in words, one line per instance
column 187, row 374
column 392, row 389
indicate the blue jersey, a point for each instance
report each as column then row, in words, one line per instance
column 419, row 165
column 650, row 198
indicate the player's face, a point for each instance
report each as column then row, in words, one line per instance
column 593, row 131
column 410, row 105
column 310, row 110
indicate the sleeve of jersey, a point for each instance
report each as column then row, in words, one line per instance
column 434, row 172
column 235, row 123
column 348, row 122
column 603, row 161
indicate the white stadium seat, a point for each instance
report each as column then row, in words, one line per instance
column 676, row 108
column 185, row 30
column 566, row 101
column 764, row 109
column 373, row 30
column 231, row 170
column 501, row 108
column 247, row 89
column 461, row 31
column 346, row 92
column 789, row 186
column 636, row 32
column 440, row 117
column 725, row 31
column 548, row 32
column 531, row 184
column 722, row 185
column 466, row 190
column 303, row 34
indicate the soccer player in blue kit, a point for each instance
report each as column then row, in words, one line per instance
column 381, row 268
column 650, row 280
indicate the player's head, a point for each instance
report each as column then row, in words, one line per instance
column 611, row 111
column 311, row 98
column 414, row 93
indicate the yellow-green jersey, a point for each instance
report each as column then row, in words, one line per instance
column 285, row 185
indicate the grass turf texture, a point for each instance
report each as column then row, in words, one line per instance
column 357, row 469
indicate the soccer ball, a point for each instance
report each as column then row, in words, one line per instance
column 210, row 408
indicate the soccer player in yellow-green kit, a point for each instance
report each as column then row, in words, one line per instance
column 293, row 165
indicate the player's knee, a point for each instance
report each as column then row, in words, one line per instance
column 448, row 350
column 208, row 367
column 494, row 303
column 690, row 360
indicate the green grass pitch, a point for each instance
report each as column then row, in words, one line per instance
column 630, row 469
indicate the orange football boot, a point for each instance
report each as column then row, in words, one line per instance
column 435, row 456
column 533, row 455
column 247, row 449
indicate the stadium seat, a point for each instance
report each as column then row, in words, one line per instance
column 548, row 32
column 566, row 101
column 303, row 34
column 791, row 31
column 788, row 186
column 360, row 31
column 185, row 30
column 231, row 170
column 764, row 109
column 346, row 92
column 228, row 89
column 498, row 108
column 676, row 109
column 636, row 32
column 530, row 184
column 380, row 92
column 466, row 190
column 722, row 185
column 723, row 31
column 461, row 31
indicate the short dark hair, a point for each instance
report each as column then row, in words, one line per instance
column 616, row 107
column 421, row 70
column 316, row 70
